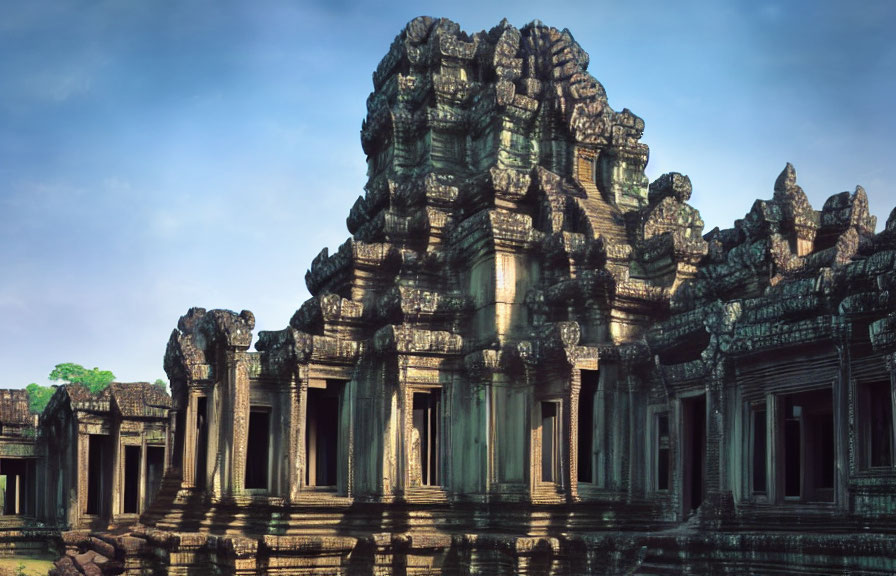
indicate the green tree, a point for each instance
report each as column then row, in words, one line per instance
column 161, row 384
column 94, row 379
column 38, row 397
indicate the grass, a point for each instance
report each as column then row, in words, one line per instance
column 25, row 566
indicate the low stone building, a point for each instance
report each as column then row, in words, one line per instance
column 19, row 455
column 105, row 453
column 22, row 473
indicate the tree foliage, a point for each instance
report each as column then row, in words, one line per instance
column 161, row 384
column 38, row 397
column 95, row 380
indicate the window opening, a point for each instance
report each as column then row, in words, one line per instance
column 586, row 425
column 425, row 438
column 155, row 467
column 793, row 451
column 96, row 481
column 550, row 441
column 694, row 456
column 662, row 451
column 28, row 486
column 256, row 477
column 322, row 435
column 201, row 441
column 14, row 494
column 808, row 446
column 759, row 450
column 877, row 424
column 131, row 479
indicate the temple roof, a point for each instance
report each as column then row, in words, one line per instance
column 132, row 399
column 136, row 399
column 14, row 408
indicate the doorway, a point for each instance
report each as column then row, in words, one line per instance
column 693, row 460
column 155, row 466
column 98, row 469
column 201, row 442
column 130, row 502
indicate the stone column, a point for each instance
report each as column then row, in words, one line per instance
column 891, row 370
column 297, row 408
column 218, row 412
column 715, row 429
column 481, row 369
column 347, row 424
column 637, row 439
column 237, row 373
column 626, row 473
column 719, row 498
column 141, row 488
column 170, row 443
column 188, row 465
column 842, row 331
column 570, row 468
column 117, row 455
column 78, row 497
column 402, row 411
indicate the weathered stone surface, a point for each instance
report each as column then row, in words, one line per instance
column 526, row 359
column 102, row 547
column 673, row 184
column 82, row 560
column 89, row 471
column 66, row 567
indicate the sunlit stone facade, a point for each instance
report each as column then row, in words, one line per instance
column 527, row 359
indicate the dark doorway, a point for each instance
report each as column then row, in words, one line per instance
column 663, row 470
column 322, row 435
column 15, row 477
column 793, row 457
column 693, row 421
column 876, row 420
column 97, row 454
column 808, row 446
column 131, row 480
column 550, row 445
column 201, row 441
column 155, row 466
column 586, row 426
column 427, row 427
column 257, row 449
column 759, row 451
column 29, row 488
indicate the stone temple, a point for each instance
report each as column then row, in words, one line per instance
column 528, row 359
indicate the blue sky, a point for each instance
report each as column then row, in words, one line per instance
column 160, row 155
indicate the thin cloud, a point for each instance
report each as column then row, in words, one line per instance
column 56, row 87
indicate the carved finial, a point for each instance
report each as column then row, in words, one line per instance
column 249, row 318
column 787, row 179
column 418, row 29
column 891, row 221
column 671, row 184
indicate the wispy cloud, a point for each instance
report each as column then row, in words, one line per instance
column 58, row 87
column 9, row 302
column 166, row 225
